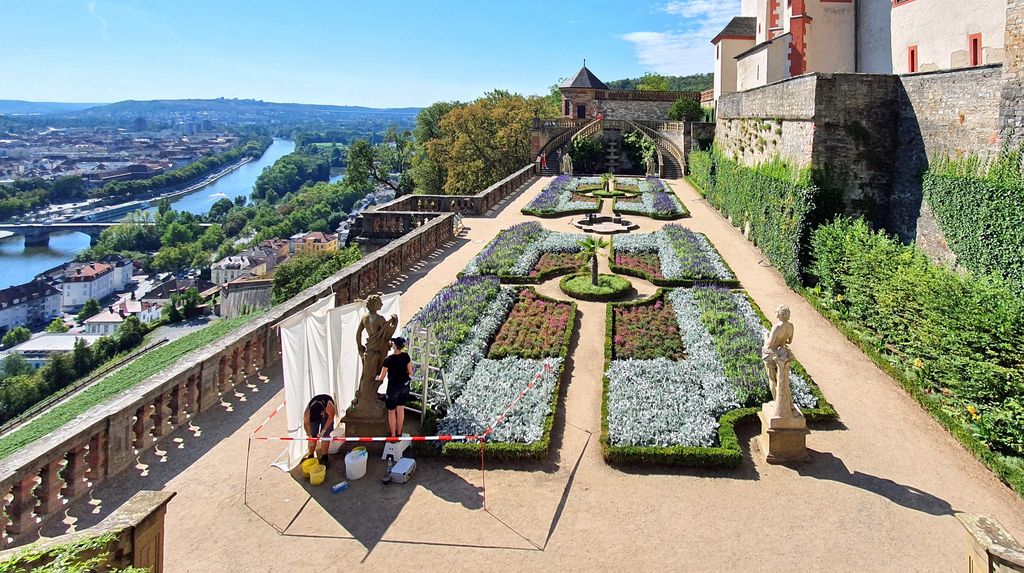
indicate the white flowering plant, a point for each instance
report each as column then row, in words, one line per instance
column 673, row 256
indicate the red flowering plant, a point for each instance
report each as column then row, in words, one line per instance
column 534, row 329
column 556, row 263
column 646, row 331
column 643, row 263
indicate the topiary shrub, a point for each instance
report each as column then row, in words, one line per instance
column 609, row 287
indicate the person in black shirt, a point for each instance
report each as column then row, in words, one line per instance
column 398, row 370
column 318, row 420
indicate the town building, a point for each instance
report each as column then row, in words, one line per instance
column 37, row 350
column 82, row 282
column 162, row 293
column 773, row 40
column 108, row 321
column 312, row 242
column 230, row 268
column 28, row 304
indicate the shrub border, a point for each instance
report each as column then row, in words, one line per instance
column 541, row 448
column 592, row 297
column 729, row 452
column 1009, row 474
column 671, row 283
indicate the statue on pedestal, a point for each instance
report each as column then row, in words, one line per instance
column 777, row 358
column 378, row 332
column 652, row 166
column 783, row 437
column 566, row 166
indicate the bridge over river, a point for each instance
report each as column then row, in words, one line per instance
column 38, row 234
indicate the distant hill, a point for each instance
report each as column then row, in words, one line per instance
column 694, row 83
column 223, row 106
column 19, row 107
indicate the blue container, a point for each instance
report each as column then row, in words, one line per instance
column 339, row 487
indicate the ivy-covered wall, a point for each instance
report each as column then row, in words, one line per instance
column 980, row 207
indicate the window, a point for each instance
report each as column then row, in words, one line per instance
column 718, row 52
column 566, row 109
column 912, row 59
column 974, row 45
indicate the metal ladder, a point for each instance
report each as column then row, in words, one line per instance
column 427, row 369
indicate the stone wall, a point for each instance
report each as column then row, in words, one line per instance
column 1011, row 116
column 238, row 298
column 635, row 110
column 942, row 114
column 869, row 137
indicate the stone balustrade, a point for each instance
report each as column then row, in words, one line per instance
column 402, row 215
column 989, row 547
column 136, row 532
column 38, row 481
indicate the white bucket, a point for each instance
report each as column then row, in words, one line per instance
column 355, row 464
column 335, row 446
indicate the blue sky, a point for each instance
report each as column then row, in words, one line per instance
column 381, row 53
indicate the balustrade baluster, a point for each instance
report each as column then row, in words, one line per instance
column 49, row 488
column 75, row 483
column 97, row 458
column 162, row 416
column 23, row 506
column 143, row 428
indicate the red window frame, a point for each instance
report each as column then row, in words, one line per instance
column 912, row 61
column 974, row 47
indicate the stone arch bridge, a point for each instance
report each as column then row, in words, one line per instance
column 38, row 234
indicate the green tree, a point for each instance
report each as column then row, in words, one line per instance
column 428, row 175
column 130, row 333
column 171, row 313
column 81, row 357
column 388, row 164
column 485, row 141
column 90, row 309
column 587, row 153
column 58, row 372
column 16, row 336
column 306, row 270
column 686, row 109
column 652, row 82
column 15, row 365
column 57, row 325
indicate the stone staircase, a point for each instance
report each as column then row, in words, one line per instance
column 552, row 166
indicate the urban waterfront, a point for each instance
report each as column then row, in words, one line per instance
column 20, row 264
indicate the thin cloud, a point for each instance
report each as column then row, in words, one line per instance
column 686, row 49
column 91, row 7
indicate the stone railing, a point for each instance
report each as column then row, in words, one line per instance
column 136, row 531
column 648, row 95
column 990, row 548
column 664, row 145
column 400, row 216
column 38, row 481
column 560, row 122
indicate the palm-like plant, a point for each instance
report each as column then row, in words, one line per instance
column 590, row 245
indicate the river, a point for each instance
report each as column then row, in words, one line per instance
column 20, row 264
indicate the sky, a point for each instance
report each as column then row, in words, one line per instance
column 379, row 53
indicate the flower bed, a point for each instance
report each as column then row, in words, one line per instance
column 560, row 197
column 673, row 256
column 517, row 255
column 581, row 286
column 454, row 311
column 534, row 338
column 657, row 201
column 660, row 409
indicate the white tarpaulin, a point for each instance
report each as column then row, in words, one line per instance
column 319, row 356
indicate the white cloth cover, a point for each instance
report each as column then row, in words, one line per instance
column 319, row 356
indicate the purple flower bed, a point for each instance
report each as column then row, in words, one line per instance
column 453, row 311
column 504, row 250
column 560, row 196
column 656, row 201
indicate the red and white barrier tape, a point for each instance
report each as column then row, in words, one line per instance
column 267, row 421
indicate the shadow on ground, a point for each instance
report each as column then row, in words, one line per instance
column 826, row 466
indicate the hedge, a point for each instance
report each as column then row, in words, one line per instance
column 127, row 377
column 729, row 452
column 515, row 451
column 980, row 208
column 669, row 283
column 771, row 203
column 609, row 287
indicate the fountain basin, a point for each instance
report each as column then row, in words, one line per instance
column 605, row 224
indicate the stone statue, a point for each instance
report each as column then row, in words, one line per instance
column 777, row 358
column 566, row 164
column 378, row 337
column 652, row 166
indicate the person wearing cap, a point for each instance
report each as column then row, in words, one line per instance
column 398, row 370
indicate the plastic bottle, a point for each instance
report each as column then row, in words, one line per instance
column 339, row 487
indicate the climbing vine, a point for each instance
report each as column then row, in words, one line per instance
column 980, row 207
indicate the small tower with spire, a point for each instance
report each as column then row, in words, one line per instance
column 580, row 94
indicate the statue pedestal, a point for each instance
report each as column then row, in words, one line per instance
column 782, row 440
column 367, row 418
